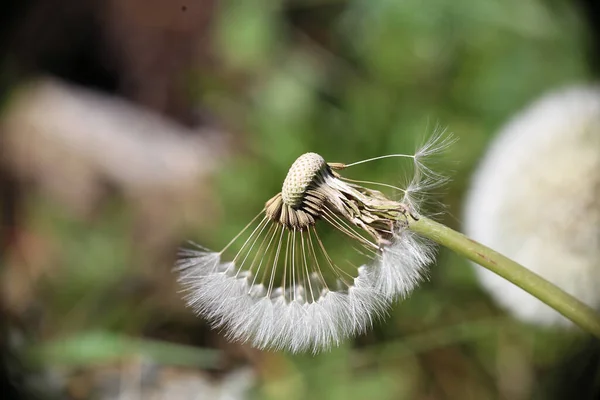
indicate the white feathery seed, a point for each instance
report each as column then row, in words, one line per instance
column 248, row 314
column 402, row 265
column 535, row 197
column 425, row 179
column 282, row 290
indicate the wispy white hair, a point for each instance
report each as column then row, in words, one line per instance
column 535, row 197
column 279, row 320
column 403, row 264
column 425, row 179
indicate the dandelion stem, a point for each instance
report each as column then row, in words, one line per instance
column 564, row 303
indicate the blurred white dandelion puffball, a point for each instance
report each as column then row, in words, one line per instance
column 277, row 285
column 535, row 197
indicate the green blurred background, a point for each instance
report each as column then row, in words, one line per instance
column 90, row 307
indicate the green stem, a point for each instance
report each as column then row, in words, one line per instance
column 547, row 292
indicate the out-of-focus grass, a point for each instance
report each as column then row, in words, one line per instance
column 94, row 265
column 86, row 349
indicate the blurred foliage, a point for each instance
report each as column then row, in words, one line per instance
column 90, row 348
column 386, row 76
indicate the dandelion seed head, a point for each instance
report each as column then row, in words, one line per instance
column 301, row 174
column 535, row 197
column 276, row 285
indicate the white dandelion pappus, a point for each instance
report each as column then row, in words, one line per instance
column 283, row 290
column 535, row 198
column 401, row 264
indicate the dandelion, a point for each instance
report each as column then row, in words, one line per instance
column 282, row 289
column 535, row 198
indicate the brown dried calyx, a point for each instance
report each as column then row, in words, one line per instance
column 313, row 190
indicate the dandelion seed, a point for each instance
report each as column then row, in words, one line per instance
column 282, row 289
